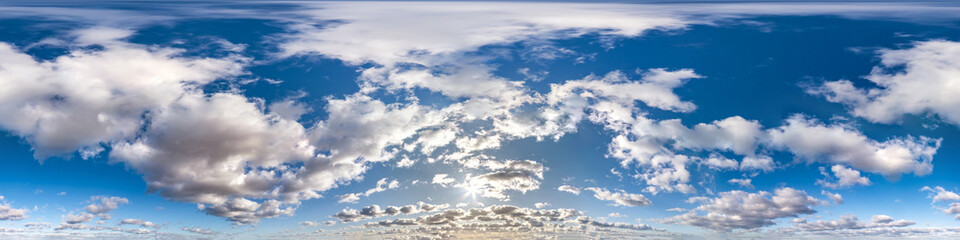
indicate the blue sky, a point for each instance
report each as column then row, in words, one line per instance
column 398, row 120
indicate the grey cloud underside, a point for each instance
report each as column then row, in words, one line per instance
column 848, row 226
column 505, row 216
column 501, row 221
column 8, row 212
column 374, row 211
column 243, row 159
column 744, row 210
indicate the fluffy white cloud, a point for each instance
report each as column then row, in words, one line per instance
column 462, row 80
column 196, row 147
column 954, row 208
column 845, row 177
column 429, row 139
column 360, row 127
column 842, row 144
column 917, row 80
column 939, row 194
column 100, row 207
column 569, row 189
column 743, row 210
column 719, row 162
column 835, row 197
column 248, row 147
column 655, row 89
column 512, row 175
column 742, row 182
column 89, row 97
column 205, row 148
column 665, row 170
column 104, row 204
column 653, row 145
column 442, row 179
column 648, row 142
column 255, row 150
column 609, row 100
column 9, row 213
column 358, row 130
column 753, row 163
column 620, row 197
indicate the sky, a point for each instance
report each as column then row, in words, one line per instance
column 479, row 120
